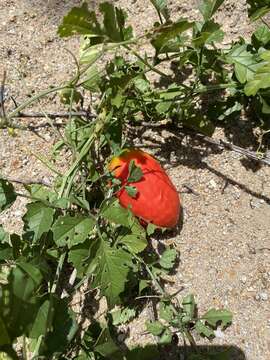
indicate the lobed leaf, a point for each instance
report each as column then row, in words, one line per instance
column 245, row 63
column 261, row 79
column 80, row 21
column 168, row 32
column 155, row 327
column 38, row 220
column 112, row 268
column 162, row 8
column 204, row 330
column 115, row 213
column 209, row 7
column 135, row 172
column 122, row 316
column 213, row 317
column 70, row 231
column 168, row 258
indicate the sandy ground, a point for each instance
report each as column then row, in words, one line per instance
column 224, row 241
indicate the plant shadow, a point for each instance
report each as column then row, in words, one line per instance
column 175, row 352
column 192, row 153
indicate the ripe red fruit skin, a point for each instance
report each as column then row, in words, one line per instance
column 157, row 201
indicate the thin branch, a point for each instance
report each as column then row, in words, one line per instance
column 2, row 96
column 219, row 143
column 26, row 181
column 222, row 144
column 54, row 115
column 229, row 146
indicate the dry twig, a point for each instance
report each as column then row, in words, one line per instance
column 27, row 181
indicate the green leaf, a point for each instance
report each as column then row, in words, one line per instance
column 4, row 236
column 168, row 32
column 115, row 213
column 89, row 53
column 142, row 85
column 41, row 321
column 166, row 311
column 162, row 8
column 66, row 95
column 42, row 193
column 105, row 345
column 133, row 236
column 262, row 35
column 24, row 279
column 150, row 229
column 209, row 33
column 62, row 330
column 80, row 21
column 203, row 329
column 70, row 231
column 213, row 317
column 38, row 219
column 135, row 243
column 92, row 79
column 7, row 195
column 163, row 107
column 200, row 123
column 4, row 337
column 245, row 63
column 154, row 327
column 78, row 256
column 261, row 80
column 33, row 273
column 135, row 172
column 166, row 337
column 209, row 7
column 18, row 300
column 117, row 100
column 112, row 271
column 143, row 284
column 229, row 111
column 189, row 306
column 131, row 190
column 258, row 8
column 122, row 316
column 111, row 21
column 168, row 258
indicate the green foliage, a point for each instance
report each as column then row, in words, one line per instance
column 70, row 231
column 260, row 79
column 155, row 327
column 135, row 173
column 7, row 195
column 112, row 268
column 38, row 220
column 245, row 63
column 258, row 8
column 168, row 258
column 84, row 22
column 209, row 7
column 76, row 233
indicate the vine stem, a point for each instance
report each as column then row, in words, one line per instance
column 73, row 167
column 34, row 99
column 165, row 295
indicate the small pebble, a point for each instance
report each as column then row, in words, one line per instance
column 243, row 279
column 212, row 184
column 261, row 296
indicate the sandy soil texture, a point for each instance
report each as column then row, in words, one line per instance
column 224, row 241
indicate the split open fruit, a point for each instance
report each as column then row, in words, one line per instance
column 156, row 200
